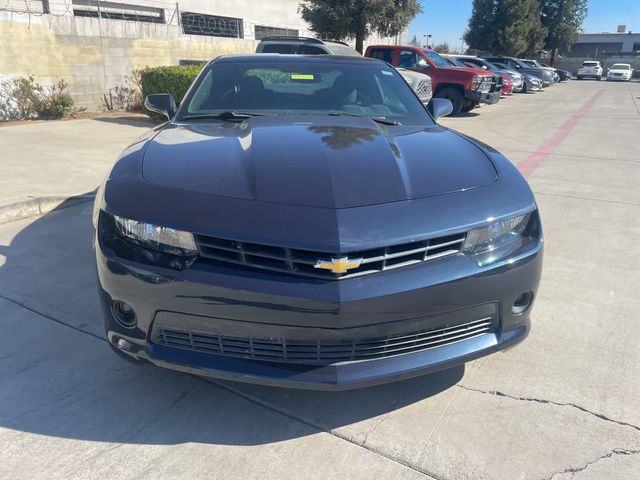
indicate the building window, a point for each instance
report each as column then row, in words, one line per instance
column 263, row 31
column 211, row 25
column 117, row 11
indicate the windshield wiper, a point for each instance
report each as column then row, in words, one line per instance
column 377, row 119
column 227, row 115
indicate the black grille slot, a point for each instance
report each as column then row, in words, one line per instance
column 321, row 351
column 303, row 262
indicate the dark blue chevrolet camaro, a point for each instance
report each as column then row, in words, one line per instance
column 304, row 222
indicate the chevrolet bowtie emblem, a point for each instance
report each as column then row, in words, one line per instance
column 339, row 265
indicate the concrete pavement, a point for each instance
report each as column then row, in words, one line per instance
column 62, row 158
column 562, row 405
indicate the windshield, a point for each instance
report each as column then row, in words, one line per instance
column 590, row 64
column 522, row 64
column 368, row 89
column 529, row 63
column 455, row 62
column 621, row 66
column 479, row 63
column 437, row 60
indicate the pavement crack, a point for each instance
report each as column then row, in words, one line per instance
column 162, row 412
column 382, row 419
column 552, row 402
column 574, row 470
column 316, row 426
column 50, row 317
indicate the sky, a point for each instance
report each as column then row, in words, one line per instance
column 446, row 20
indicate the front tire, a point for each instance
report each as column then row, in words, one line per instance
column 468, row 106
column 454, row 96
column 579, row 77
column 598, row 78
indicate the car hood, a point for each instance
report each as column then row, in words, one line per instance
column 474, row 71
column 616, row 70
column 332, row 162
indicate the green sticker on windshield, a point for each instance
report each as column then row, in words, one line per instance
column 302, row 76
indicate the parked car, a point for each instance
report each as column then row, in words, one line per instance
column 304, row 46
column 536, row 64
column 590, row 69
column 303, row 221
column 476, row 62
column 420, row 83
column 520, row 67
column 619, row 71
column 530, row 83
column 464, row 87
column 507, row 86
column 504, row 80
column 563, row 74
column 313, row 46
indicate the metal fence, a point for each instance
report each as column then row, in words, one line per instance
column 162, row 12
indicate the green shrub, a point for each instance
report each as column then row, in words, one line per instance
column 636, row 74
column 23, row 98
column 174, row 80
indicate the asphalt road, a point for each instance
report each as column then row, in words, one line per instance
column 564, row 404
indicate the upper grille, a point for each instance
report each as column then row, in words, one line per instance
column 302, row 262
column 321, row 351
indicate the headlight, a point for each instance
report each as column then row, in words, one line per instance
column 497, row 240
column 155, row 237
column 475, row 82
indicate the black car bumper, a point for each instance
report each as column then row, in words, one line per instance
column 269, row 328
column 475, row 96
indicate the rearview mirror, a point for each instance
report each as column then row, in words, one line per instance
column 440, row 107
column 161, row 103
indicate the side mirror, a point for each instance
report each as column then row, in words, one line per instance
column 161, row 103
column 422, row 63
column 440, row 107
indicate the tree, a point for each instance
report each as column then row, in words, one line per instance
column 414, row 41
column 562, row 19
column 442, row 48
column 480, row 33
column 358, row 19
column 506, row 27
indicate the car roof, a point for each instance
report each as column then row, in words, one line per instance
column 285, row 58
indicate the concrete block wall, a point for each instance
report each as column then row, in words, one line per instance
column 94, row 55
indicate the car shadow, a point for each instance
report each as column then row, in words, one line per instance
column 59, row 378
column 465, row 115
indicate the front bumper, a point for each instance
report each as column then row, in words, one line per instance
column 622, row 78
column 225, row 301
column 480, row 97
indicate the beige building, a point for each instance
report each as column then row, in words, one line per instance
column 95, row 45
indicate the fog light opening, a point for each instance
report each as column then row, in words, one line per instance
column 121, row 343
column 522, row 303
column 124, row 314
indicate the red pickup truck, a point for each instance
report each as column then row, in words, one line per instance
column 465, row 87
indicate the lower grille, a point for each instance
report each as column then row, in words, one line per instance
column 321, row 351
